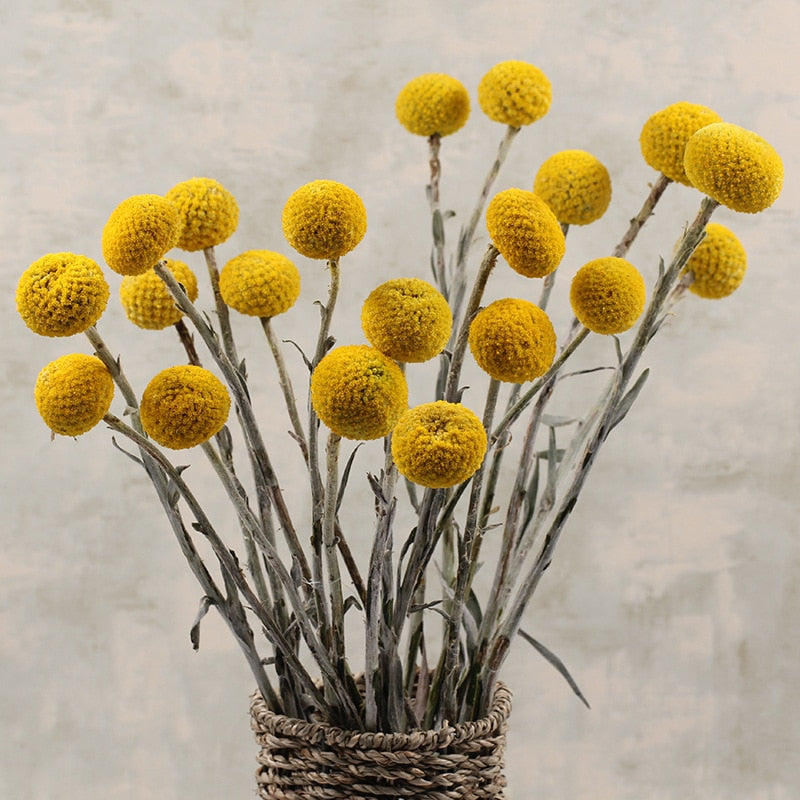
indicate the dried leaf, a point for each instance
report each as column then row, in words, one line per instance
column 194, row 633
column 550, row 656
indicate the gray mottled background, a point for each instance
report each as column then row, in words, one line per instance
column 674, row 598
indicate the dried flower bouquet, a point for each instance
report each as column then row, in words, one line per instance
column 304, row 589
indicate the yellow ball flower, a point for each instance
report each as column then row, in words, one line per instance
column 148, row 303
column 512, row 340
column 407, row 319
column 184, row 406
column 438, row 444
column 515, row 93
column 734, row 166
column 575, row 185
column 718, row 264
column 358, row 392
column 139, row 232
column 324, row 219
column 433, row 103
column 73, row 393
column 209, row 212
column 61, row 294
column 607, row 295
column 665, row 134
column 260, row 283
column 526, row 232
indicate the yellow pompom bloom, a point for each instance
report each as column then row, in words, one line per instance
column 407, row 319
column 515, row 93
column 607, row 295
column 718, row 264
column 324, row 219
column 665, row 134
column 734, row 166
column 575, row 185
column 73, row 393
column 147, row 301
column 260, row 283
column 438, row 444
column 139, row 232
column 358, row 392
column 512, row 340
column 433, row 104
column 526, row 232
column 61, row 294
column 208, row 210
column 184, row 406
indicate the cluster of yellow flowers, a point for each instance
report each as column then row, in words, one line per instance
column 359, row 391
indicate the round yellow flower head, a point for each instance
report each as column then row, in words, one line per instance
column 358, row 392
column 147, row 301
column 607, row 295
column 433, row 103
column 734, row 166
column 324, row 219
column 438, row 444
column 209, row 212
column 575, row 185
column 526, row 232
column 61, row 294
column 139, row 232
column 515, row 93
column 512, row 340
column 184, row 406
column 407, row 319
column 260, row 283
column 73, row 393
column 665, row 134
column 718, row 264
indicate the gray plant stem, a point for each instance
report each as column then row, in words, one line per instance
column 315, row 476
column 509, row 626
column 467, row 234
column 228, row 344
column 468, row 551
column 235, row 381
column 460, row 347
column 331, row 551
column 285, row 383
column 434, row 144
column 231, row 570
column 646, row 211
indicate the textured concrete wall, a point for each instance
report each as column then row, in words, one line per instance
column 675, row 595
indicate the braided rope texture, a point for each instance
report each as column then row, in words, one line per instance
column 305, row 760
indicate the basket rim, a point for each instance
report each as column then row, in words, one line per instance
column 265, row 721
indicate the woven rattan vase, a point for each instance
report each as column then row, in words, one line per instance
column 302, row 760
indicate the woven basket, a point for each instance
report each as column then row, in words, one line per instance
column 303, row 760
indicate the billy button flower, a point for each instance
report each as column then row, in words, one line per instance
column 734, row 166
column 512, row 340
column 61, row 294
column 73, row 393
column 526, row 232
column 407, row 319
column 260, row 283
column 433, row 104
column 208, row 210
column 139, row 232
column 575, row 185
column 718, row 264
column 358, row 392
column 438, row 444
column 148, row 303
column 324, row 220
column 184, row 406
column 607, row 295
column 515, row 93
column 665, row 134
